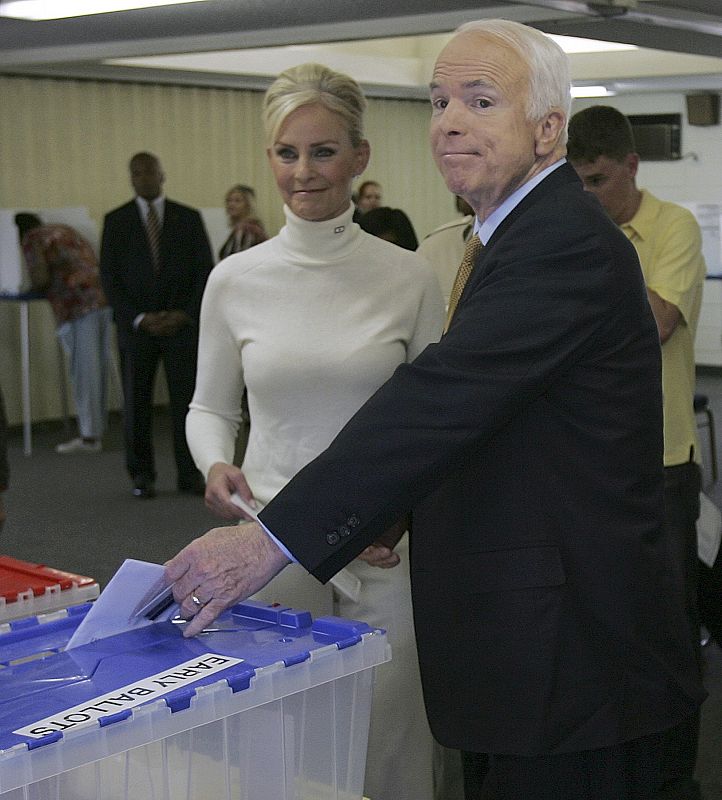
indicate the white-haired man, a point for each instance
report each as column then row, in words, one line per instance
column 527, row 446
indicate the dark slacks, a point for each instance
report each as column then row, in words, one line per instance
column 710, row 597
column 681, row 501
column 629, row 771
column 139, row 363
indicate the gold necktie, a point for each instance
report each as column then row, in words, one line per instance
column 152, row 228
column 473, row 248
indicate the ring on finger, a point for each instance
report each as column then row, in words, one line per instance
column 196, row 602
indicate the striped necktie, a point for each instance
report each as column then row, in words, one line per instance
column 473, row 248
column 152, row 228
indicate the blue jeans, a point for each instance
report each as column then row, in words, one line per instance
column 86, row 342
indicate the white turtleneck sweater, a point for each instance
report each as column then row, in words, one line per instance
column 312, row 322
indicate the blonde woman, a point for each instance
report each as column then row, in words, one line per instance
column 311, row 323
column 246, row 229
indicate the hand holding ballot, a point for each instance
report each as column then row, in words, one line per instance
column 220, row 568
column 223, row 482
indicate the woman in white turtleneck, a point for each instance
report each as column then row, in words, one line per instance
column 311, row 323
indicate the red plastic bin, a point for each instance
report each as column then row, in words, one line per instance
column 27, row 589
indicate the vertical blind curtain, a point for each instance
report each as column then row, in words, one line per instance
column 68, row 142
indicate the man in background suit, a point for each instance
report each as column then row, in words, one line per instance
column 154, row 261
column 527, row 445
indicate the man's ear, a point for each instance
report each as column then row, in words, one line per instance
column 549, row 131
column 631, row 161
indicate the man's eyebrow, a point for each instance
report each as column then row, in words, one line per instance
column 467, row 85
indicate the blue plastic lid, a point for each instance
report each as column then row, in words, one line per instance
column 30, row 637
column 104, row 680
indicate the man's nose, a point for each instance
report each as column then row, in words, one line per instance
column 452, row 117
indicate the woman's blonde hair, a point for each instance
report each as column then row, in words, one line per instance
column 308, row 84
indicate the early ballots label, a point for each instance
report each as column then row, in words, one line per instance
column 130, row 696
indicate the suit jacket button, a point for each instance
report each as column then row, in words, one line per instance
column 353, row 521
column 333, row 537
column 344, row 530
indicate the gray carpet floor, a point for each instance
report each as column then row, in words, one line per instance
column 77, row 513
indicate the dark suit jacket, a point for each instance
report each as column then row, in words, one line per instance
column 528, row 443
column 126, row 266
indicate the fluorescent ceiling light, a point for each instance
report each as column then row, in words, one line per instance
column 59, row 9
column 575, row 44
column 591, row 91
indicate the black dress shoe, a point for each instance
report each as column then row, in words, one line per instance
column 192, row 486
column 144, row 488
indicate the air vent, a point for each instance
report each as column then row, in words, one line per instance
column 657, row 137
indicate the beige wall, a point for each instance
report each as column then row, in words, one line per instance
column 67, row 143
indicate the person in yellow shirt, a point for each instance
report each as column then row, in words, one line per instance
column 668, row 242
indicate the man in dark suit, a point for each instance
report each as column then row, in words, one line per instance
column 154, row 261
column 527, row 445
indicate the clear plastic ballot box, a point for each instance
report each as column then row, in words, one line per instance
column 269, row 704
column 28, row 589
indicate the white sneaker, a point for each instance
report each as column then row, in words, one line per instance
column 79, row 446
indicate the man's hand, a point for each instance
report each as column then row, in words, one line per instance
column 222, row 567
column 223, row 480
column 152, row 323
column 666, row 315
column 163, row 323
column 174, row 321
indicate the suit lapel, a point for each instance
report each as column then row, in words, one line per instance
column 561, row 176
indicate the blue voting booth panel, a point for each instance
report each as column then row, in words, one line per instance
column 268, row 705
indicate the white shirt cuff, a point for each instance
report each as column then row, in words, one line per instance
column 282, row 547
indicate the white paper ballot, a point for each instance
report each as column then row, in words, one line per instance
column 344, row 580
column 115, row 611
column 709, row 530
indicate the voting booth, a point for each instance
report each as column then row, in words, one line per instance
column 268, row 703
column 27, row 589
column 13, row 274
column 27, row 325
